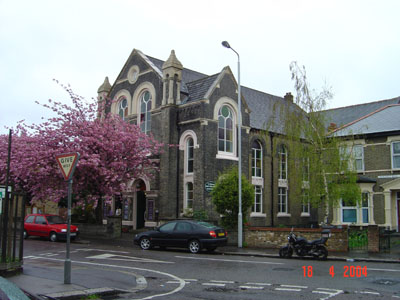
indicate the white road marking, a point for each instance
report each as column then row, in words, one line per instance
column 394, row 296
column 190, row 279
column 102, row 250
column 127, row 258
column 214, row 284
column 48, row 254
column 329, row 292
column 259, row 283
column 181, row 281
column 365, row 292
column 247, row 287
column 221, row 281
column 230, row 260
column 288, row 290
column 385, row 270
column 294, row 286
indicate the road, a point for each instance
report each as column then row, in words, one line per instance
column 178, row 274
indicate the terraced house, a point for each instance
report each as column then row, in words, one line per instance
column 374, row 129
column 199, row 114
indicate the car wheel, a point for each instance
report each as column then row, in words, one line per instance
column 25, row 234
column 194, row 246
column 145, row 243
column 53, row 237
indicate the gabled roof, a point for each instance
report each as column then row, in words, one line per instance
column 264, row 109
column 344, row 115
column 198, row 89
column 198, row 86
column 385, row 119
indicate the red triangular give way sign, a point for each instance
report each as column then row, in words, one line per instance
column 67, row 163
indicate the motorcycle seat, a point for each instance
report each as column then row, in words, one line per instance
column 317, row 242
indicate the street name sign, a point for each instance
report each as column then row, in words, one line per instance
column 67, row 163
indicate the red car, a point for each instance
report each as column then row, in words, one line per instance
column 51, row 226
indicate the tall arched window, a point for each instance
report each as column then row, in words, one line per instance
column 225, row 129
column 189, row 155
column 282, row 154
column 256, row 159
column 123, row 108
column 145, row 114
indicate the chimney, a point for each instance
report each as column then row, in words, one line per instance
column 332, row 127
column 289, row 97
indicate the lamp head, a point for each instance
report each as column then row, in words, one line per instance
column 226, row 44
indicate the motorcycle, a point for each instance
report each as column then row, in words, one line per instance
column 302, row 247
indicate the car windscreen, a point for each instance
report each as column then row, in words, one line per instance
column 205, row 224
column 55, row 220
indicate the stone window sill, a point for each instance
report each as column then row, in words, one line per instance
column 257, row 215
column 284, row 215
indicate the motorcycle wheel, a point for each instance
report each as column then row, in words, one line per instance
column 323, row 253
column 285, row 252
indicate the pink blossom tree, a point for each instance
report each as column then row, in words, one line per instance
column 113, row 152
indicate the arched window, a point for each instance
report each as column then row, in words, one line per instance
column 189, row 155
column 189, row 195
column 145, row 114
column 282, row 154
column 225, row 129
column 123, row 108
column 256, row 159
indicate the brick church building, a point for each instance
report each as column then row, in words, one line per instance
column 199, row 113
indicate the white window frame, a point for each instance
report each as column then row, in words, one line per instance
column 348, row 153
column 254, row 160
column 354, row 152
column 234, row 110
column 147, row 122
column 187, row 157
column 283, row 200
column 187, row 199
column 283, row 175
column 225, row 140
column 393, row 155
column 305, row 204
column 125, row 111
column 359, row 209
column 258, row 199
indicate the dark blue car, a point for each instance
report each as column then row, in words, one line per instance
column 194, row 235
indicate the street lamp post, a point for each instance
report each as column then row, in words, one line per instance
column 240, row 227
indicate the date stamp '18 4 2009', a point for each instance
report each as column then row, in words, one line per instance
column 348, row 271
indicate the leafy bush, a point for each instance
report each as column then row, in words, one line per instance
column 200, row 215
column 225, row 196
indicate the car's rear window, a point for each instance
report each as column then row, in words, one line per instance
column 55, row 220
column 205, row 224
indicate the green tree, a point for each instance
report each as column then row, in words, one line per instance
column 225, row 197
column 317, row 166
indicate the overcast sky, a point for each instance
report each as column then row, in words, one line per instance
column 353, row 46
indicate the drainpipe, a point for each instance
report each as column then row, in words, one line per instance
column 272, row 178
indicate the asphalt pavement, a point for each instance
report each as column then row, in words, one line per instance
column 39, row 288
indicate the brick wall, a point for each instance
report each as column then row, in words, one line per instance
column 268, row 237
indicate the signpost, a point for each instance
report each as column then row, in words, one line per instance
column 67, row 163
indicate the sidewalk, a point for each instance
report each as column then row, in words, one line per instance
column 39, row 287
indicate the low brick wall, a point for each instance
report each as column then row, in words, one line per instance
column 269, row 237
